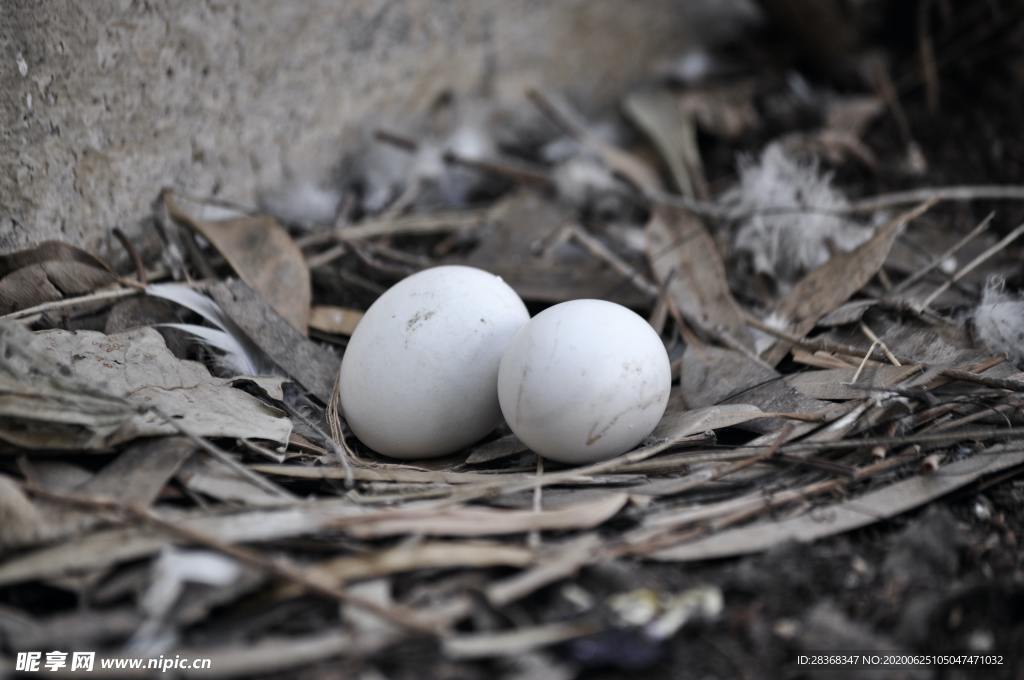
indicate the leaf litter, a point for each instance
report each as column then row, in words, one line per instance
column 839, row 361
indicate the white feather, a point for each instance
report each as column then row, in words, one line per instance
column 237, row 354
column 302, row 202
column 785, row 245
column 999, row 322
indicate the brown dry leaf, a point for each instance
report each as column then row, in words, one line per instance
column 830, row 285
column 684, row 257
column 50, row 271
column 128, row 376
column 835, row 384
column 678, row 424
column 476, row 521
column 21, row 522
column 508, row 244
column 847, row 515
column 312, row 366
column 430, row 555
column 554, row 563
column 711, row 375
column 216, row 479
column 390, row 226
column 263, row 254
column 281, row 653
column 509, row 445
column 335, row 320
column 385, row 473
column 515, row 642
column 725, row 111
column 110, row 546
column 49, row 251
column 620, row 162
column 672, row 131
column 137, row 476
column 846, row 119
column 80, row 628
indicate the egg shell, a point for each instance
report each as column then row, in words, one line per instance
column 584, row 381
column 419, row 376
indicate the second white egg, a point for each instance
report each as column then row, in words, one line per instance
column 584, row 381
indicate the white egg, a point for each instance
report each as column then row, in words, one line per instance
column 419, row 376
column 584, row 381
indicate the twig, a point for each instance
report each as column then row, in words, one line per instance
column 885, row 348
column 670, row 536
column 533, row 540
column 848, row 350
column 863, row 363
column 99, row 296
column 659, row 313
column 986, row 192
column 973, row 264
column 326, row 257
column 560, row 115
column 938, row 260
column 693, row 481
column 515, row 170
column 140, row 268
column 536, row 176
column 887, row 90
column 926, row 52
column 1004, row 434
column 220, row 454
column 338, row 433
column 601, row 251
column 968, row 376
column 277, row 567
column 818, row 463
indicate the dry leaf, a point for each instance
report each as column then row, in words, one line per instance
column 553, row 564
column 21, row 522
column 79, row 628
column 215, row 479
column 726, row 111
column 433, row 555
column 515, row 642
column 110, row 546
column 846, row 120
column 711, row 375
column 835, row 384
column 672, row 131
column 852, row 514
column 684, row 258
column 50, row 271
column 830, row 285
column 475, row 521
column 284, row 653
column 136, row 476
column 309, row 364
column 263, row 254
column 335, row 320
column 678, row 425
column 506, row 446
column 520, row 226
column 138, row 373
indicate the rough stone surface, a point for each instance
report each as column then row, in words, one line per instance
column 103, row 103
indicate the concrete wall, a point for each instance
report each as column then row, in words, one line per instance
column 104, row 102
